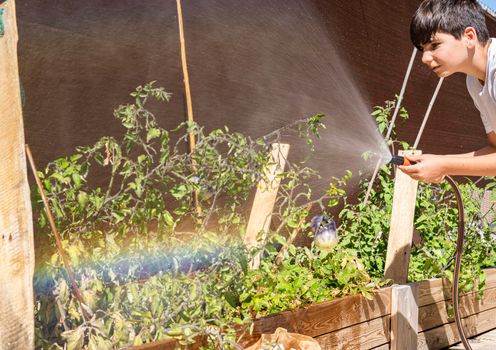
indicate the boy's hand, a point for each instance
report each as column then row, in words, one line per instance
column 429, row 168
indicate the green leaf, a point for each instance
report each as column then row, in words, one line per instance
column 97, row 342
column 168, row 219
column 179, row 191
column 152, row 133
column 118, row 215
column 232, row 299
column 77, row 179
column 75, row 338
column 82, row 199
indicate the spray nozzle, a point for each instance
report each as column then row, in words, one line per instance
column 400, row 160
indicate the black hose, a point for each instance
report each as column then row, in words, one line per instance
column 400, row 160
column 458, row 260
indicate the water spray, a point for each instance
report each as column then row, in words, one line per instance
column 403, row 161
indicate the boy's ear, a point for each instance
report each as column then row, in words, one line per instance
column 470, row 37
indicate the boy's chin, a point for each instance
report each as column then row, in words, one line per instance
column 443, row 74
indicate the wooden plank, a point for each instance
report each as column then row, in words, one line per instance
column 16, row 231
column 322, row 318
column 314, row 320
column 435, row 315
column 401, row 230
column 433, row 291
column 265, row 199
column 436, row 290
column 363, row 336
column 446, row 335
column 404, row 317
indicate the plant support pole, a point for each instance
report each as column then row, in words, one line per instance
column 189, row 103
column 67, row 266
column 427, row 113
column 393, row 120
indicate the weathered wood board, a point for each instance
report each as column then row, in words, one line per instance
column 16, row 232
column 401, row 229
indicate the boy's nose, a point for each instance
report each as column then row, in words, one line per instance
column 426, row 57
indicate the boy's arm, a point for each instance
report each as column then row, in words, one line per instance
column 490, row 148
column 483, row 165
column 433, row 168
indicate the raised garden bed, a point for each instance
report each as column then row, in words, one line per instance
column 358, row 323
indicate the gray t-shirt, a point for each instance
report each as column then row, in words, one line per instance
column 484, row 96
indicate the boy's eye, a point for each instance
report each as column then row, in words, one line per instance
column 434, row 46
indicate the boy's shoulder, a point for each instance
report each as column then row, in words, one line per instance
column 484, row 93
column 490, row 54
column 491, row 60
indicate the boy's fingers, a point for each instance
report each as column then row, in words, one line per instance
column 413, row 158
column 408, row 169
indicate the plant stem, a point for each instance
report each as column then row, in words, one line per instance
column 290, row 240
column 67, row 265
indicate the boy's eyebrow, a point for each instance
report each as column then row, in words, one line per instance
column 433, row 39
column 426, row 44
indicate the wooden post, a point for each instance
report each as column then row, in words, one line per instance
column 401, row 230
column 404, row 317
column 16, row 231
column 265, row 199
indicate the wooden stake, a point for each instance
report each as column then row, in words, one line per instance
column 189, row 103
column 404, row 317
column 62, row 253
column 401, row 230
column 265, row 199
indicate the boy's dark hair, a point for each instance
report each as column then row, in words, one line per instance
column 447, row 16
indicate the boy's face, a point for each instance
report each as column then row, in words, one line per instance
column 445, row 55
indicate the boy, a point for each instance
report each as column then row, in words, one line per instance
column 453, row 37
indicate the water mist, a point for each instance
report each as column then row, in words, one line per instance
column 279, row 63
